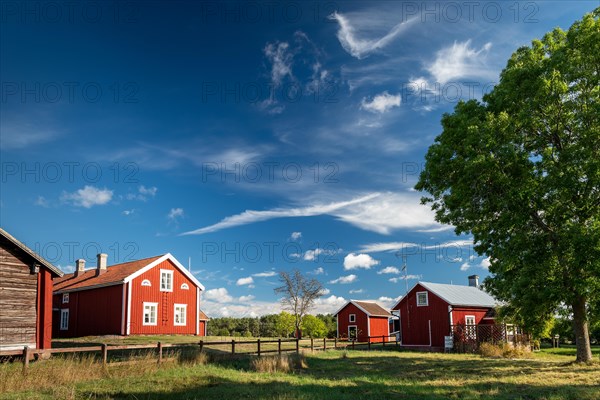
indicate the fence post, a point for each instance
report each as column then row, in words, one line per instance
column 258, row 347
column 297, row 345
column 368, row 342
column 159, row 353
column 324, row 344
column 25, row 358
column 312, row 345
column 201, row 345
column 335, row 342
column 383, row 340
column 232, row 346
column 279, row 345
column 104, row 354
column 353, row 344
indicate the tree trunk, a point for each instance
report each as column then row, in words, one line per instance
column 581, row 328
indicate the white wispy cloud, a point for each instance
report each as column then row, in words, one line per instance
column 245, row 299
column 361, row 48
column 175, row 213
column 400, row 246
column 281, row 61
column 128, row 212
column 265, row 274
column 219, row 295
column 381, row 103
column 389, row 270
column 485, row 263
column 460, row 61
column 296, row 236
column 345, row 279
column 318, row 271
column 356, row 261
column 408, row 277
column 252, row 216
column 42, row 202
column 143, row 193
column 88, row 197
column 356, row 291
column 245, row 281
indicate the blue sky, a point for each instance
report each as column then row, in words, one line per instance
column 248, row 137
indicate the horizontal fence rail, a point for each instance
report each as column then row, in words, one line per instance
column 247, row 347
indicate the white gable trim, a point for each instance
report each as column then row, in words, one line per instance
column 177, row 264
column 360, row 308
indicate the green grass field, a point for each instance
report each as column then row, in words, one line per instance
column 326, row 375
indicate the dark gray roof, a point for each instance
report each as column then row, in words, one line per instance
column 458, row 295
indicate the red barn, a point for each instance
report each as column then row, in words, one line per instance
column 25, row 296
column 429, row 310
column 152, row 296
column 360, row 319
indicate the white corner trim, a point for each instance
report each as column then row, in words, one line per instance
column 128, row 327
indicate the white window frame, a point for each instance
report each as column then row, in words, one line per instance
column 355, row 336
column 185, row 286
column 65, row 298
column 426, row 299
column 64, row 319
column 167, row 272
column 150, row 305
column 180, row 308
column 352, row 318
column 471, row 329
column 146, row 282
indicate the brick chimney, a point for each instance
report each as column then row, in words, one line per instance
column 79, row 266
column 101, row 264
column 474, row 281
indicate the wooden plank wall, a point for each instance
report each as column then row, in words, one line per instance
column 18, row 294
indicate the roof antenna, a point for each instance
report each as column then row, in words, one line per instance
column 190, row 264
column 404, row 268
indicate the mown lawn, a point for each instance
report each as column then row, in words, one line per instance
column 327, row 375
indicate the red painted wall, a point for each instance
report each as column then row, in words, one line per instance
column 362, row 322
column 91, row 312
column 44, row 309
column 379, row 327
column 415, row 320
column 458, row 315
column 166, row 302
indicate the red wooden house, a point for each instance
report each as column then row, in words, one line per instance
column 359, row 320
column 430, row 310
column 25, row 296
column 155, row 295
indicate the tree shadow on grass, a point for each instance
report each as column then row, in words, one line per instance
column 366, row 377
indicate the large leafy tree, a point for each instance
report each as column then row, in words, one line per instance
column 520, row 171
column 313, row 326
column 299, row 294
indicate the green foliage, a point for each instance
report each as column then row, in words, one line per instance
column 330, row 324
column 285, row 324
column 521, row 173
column 313, row 327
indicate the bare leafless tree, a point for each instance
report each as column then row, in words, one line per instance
column 299, row 294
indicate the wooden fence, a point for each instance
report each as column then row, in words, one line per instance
column 251, row 347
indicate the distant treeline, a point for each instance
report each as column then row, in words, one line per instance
column 273, row 325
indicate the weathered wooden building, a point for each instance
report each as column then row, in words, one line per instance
column 25, row 296
column 152, row 296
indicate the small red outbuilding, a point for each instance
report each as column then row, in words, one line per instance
column 25, row 296
column 359, row 320
column 152, row 296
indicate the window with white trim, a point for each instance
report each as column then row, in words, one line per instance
column 180, row 315
column 422, row 299
column 185, row 286
column 166, row 280
column 64, row 319
column 352, row 318
column 150, row 311
column 470, row 327
column 146, row 282
column 65, row 298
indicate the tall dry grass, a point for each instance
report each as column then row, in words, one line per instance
column 278, row 363
column 504, row 350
